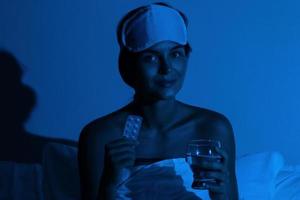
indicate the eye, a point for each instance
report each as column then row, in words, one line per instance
column 178, row 53
column 151, row 58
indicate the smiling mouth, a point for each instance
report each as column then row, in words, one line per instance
column 166, row 84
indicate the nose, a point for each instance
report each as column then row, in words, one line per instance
column 165, row 67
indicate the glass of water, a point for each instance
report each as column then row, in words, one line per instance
column 199, row 151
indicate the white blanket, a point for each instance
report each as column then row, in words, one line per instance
column 167, row 179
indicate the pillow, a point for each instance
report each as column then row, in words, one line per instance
column 61, row 175
column 256, row 174
column 20, row 181
column 287, row 183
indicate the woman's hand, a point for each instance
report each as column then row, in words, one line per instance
column 119, row 154
column 219, row 172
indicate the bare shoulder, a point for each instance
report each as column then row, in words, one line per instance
column 91, row 150
column 214, row 125
column 96, row 134
column 103, row 129
column 211, row 124
column 207, row 116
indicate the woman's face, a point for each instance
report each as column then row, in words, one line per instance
column 161, row 70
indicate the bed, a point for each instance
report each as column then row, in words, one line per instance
column 261, row 176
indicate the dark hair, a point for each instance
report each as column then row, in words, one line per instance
column 127, row 58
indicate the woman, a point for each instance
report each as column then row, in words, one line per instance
column 153, row 60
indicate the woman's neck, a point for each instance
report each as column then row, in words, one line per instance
column 157, row 114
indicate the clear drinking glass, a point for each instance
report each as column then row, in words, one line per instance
column 197, row 152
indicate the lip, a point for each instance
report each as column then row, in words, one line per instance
column 166, row 83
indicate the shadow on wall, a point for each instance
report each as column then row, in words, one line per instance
column 16, row 103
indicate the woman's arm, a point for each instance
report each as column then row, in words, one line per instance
column 102, row 156
column 222, row 130
column 215, row 126
column 90, row 160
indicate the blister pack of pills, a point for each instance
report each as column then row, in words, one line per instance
column 132, row 126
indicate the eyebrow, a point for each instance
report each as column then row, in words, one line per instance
column 177, row 47
column 157, row 52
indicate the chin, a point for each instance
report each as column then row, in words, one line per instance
column 166, row 95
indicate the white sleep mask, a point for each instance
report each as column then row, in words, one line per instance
column 151, row 25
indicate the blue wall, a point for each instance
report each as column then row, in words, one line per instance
column 245, row 64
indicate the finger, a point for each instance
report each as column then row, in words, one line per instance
column 120, row 142
column 211, row 166
column 218, row 176
column 119, row 151
column 123, row 164
column 120, row 146
column 127, row 162
column 223, row 153
column 217, row 188
column 118, row 161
